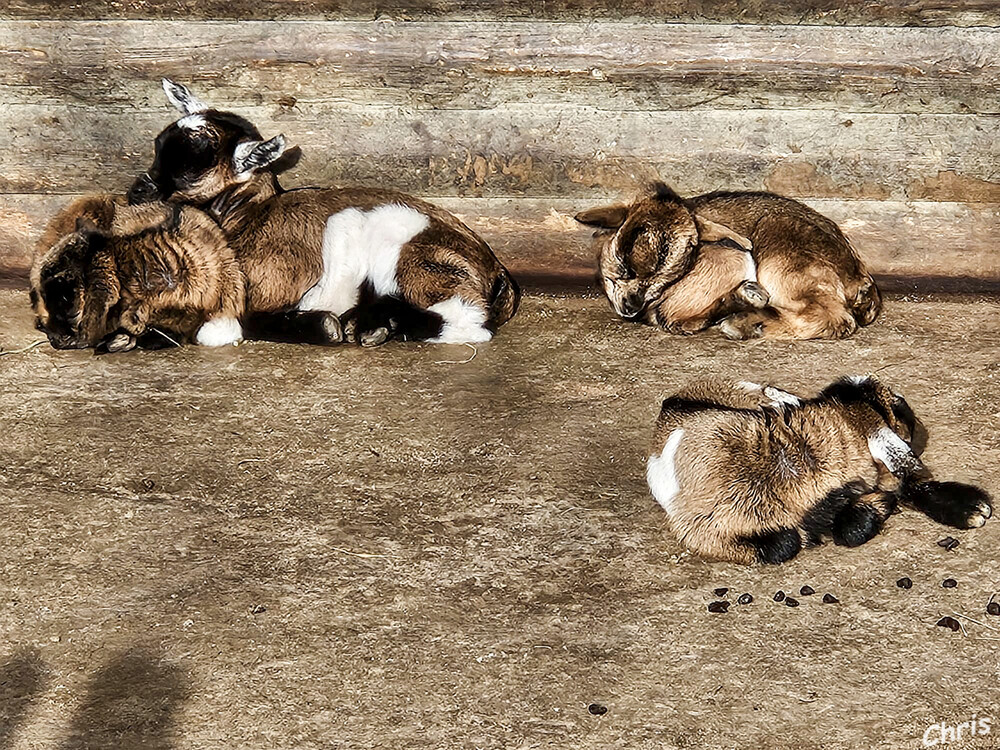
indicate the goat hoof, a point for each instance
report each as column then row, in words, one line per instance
column 375, row 337
column 754, row 294
column 332, row 330
column 118, row 343
column 742, row 326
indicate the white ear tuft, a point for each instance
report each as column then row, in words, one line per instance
column 251, row 156
column 182, row 98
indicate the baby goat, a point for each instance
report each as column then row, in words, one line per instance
column 800, row 277
column 749, row 473
column 113, row 276
column 387, row 263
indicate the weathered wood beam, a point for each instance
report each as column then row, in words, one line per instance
column 484, row 65
column 539, row 237
column 540, row 152
column 832, row 12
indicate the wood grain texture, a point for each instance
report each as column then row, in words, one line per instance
column 608, row 66
column 832, row 12
column 541, row 152
column 539, row 238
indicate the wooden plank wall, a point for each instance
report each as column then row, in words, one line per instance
column 884, row 115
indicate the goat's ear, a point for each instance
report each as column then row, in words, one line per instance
column 605, row 217
column 661, row 191
column 916, row 433
column 253, row 156
column 86, row 225
column 181, row 97
column 712, row 231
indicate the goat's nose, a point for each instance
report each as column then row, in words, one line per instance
column 632, row 305
column 143, row 190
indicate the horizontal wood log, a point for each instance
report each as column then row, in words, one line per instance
column 540, row 239
column 542, row 152
column 481, row 66
column 851, row 12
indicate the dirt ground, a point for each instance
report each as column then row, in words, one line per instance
column 281, row 547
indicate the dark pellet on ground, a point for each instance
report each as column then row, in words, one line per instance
column 718, row 607
column 597, row 709
column 148, row 484
column 949, row 583
column 791, row 602
column 779, row 596
column 258, row 609
column 744, row 599
column 807, row 591
column 830, row 599
column 949, row 543
column 949, row 622
column 993, row 608
column 904, row 583
column 720, row 592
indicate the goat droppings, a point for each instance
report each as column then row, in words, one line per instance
column 993, row 608
column 779, row 596
column 597, row 709
column 718, row 607
column 720, row 591
column 830, row 599
column 949, row 622
column 807, row 591
column 747, row 599
column 949, row 543
column 791, row 602
column 949, row 583
column 904, row 583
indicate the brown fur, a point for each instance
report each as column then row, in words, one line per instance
column 813, row 282
column 278, row 238
column 751, row 462
column 124, row 270
column 218, row 161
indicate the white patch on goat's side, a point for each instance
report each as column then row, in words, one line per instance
column 890, row 450
column 360, row 245
column 781, row 398
column 858, row 379
column 749, row 386
column 220, row 332
column 464, row 323
column 749, row 267
column 661, row 473
column 192, row 122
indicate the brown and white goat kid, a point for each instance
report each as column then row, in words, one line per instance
column 111, row 276
column 749, row 473
column 387, row 263
column 801, row 279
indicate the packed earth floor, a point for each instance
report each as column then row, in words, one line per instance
column 422, row 546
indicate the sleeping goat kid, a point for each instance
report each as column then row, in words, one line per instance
column 114, row 277
column 750, row 473
column 385, row 263
column 678, row 264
